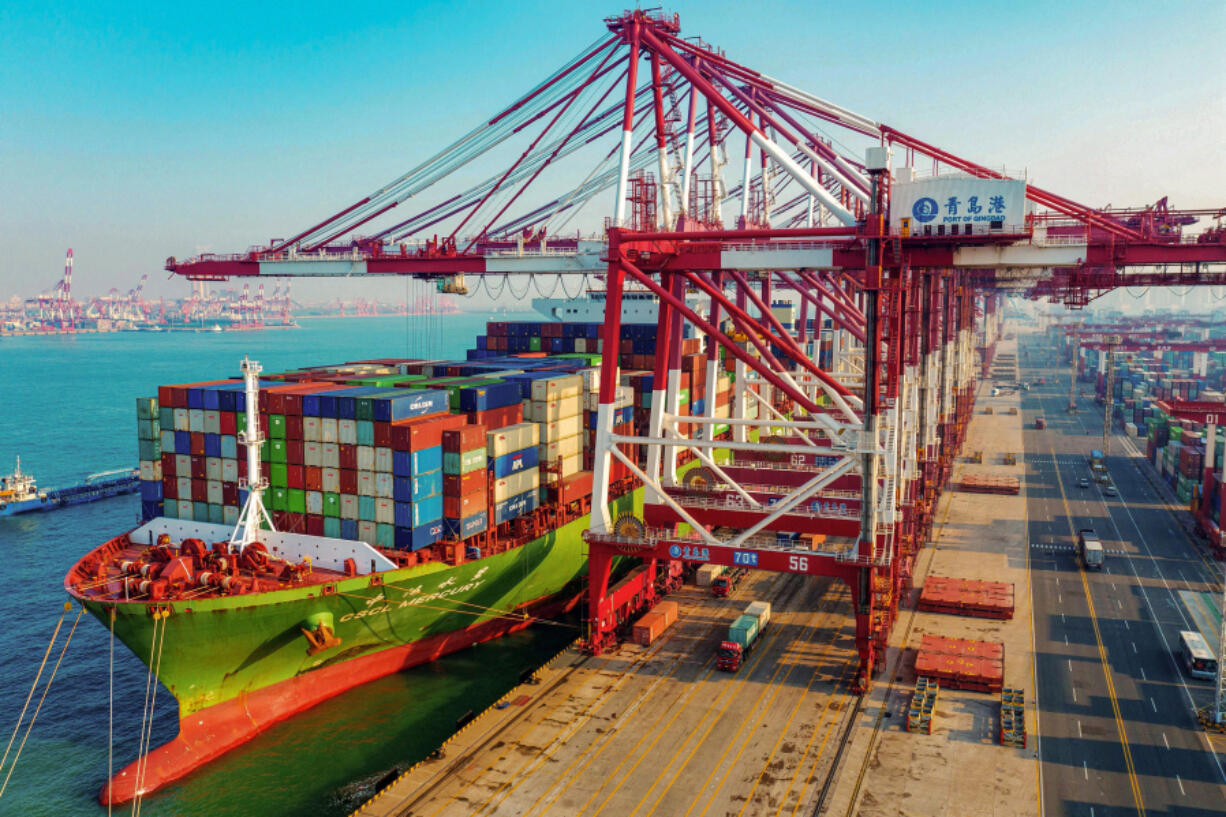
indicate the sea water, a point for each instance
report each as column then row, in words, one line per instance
column 67, row 407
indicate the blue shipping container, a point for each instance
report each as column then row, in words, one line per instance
column 495, row 395
column 514, row 462
column 151, row 491
column 515, row 506
column 408, row 489
column 349, row 529
column 419, row 537
column 469, row 526
column 412, row 463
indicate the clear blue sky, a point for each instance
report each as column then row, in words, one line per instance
column 136, row 131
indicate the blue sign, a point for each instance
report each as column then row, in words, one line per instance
column 924, row 210
column 693, row 554
column 745, row 557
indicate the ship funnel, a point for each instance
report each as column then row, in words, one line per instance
column 254, row 515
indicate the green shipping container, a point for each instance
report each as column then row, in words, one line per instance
column 149, row 449
column 166, row 418
column 276, row 426
column 463, row 463
column 277, row 475
column 240, row 422
column 332, row 506
column 366, row 508
column 278, row 499
column 332, row 527
column 146, row 408
column 200, row 511
column 534, row 344
column 170, row 508
column 366, row 432
column 276, row 450
column 296, row 499
column 148, row 429
column 216, row 515
column 385, row 535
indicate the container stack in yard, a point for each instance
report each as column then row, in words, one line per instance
column 959, row 663
column 409, row 455
column 653, row 623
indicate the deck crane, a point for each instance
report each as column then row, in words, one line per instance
column 894, row 276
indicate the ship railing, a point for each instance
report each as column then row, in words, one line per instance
column 651, row 540
column 739, row 504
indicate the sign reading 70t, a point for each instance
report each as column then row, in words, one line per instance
column 748, row 558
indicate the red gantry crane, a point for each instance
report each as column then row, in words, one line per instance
column 896, row 248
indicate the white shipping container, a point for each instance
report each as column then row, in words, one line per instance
column 366, row 458
column 330, row 480
column 181, row 421
column 560, row 429
column 547, row 411
column 185, row 509
column 213, row 488
column 313, row 454
column 212, row 422
column 385, row 511
column 570, row 466
column 366, row 532
column 327, row 429
column 229, row 470
column 229, row 514
column 761, row 610
column 212, row 469
column 516, row 484
column 331, row 456
column 591, row 378
column 383, row 460
column 512, row 438
column 311, row 430
column 151, row 470
column 366, row 483
column 184, row 489
column 349, row 506
column 707, row 574
column 565, row 447
column 347, row 432
column 195, row 420
column 384, row 485
column 557, row 388
column 183, row 465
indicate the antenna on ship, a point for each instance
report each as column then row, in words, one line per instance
column 247, row 530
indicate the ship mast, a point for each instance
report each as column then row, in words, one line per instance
column 247, row 530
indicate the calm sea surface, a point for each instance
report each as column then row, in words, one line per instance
column 67, row 406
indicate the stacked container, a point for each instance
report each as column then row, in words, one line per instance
column 149, row 445
column 513, row 457
column 465, row 500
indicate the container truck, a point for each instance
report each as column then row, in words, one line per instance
column 1090, row 548
column 742, row 636
column 723, row 585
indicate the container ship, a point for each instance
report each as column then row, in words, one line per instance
column 412, row 508
column 19, row 492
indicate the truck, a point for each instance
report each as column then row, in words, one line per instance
column 1090, row 549
column 723, row 584
column 1040, row 423
column 742, row 635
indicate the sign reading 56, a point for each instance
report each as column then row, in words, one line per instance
column 798, row 564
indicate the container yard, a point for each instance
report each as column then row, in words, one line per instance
column 839, row 520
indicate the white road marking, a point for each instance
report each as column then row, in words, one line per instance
column 1134, row 646
column 1119, row 604
column 1143, row 678
column 1079, row 729
column 1066, row 639
column 1070, row 665
column 1180, row 782
column 1061, row 617
column 1085, row 769
column 1167, row 742
column 1151, row 703
column 1059, row 599
column 1126, row 627
column 1074, row 694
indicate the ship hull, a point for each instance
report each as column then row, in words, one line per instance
column 238, row 664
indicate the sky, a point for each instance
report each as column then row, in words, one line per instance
column 136, row 131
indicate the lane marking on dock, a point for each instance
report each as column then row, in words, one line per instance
column 1106, row 666
column 1151, row 703
column 831, row 727
column 1134, row 646
column 1143, row 678
column 1179, row 780
column 713, row 721
column 1166, row 742
column 1079, row 730
column 1085, row 769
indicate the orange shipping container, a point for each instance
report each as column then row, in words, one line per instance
column 648, row 628
column 667, row 609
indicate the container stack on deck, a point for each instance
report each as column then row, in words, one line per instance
column 407, row 454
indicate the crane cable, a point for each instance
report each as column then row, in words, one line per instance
column 110, row 715
column 46, row 689
column 146, row 725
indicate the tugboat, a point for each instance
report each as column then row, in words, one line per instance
column 19, row 493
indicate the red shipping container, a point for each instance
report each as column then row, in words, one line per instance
column 293, row 522
column 197, row 443
column 264, row 425
column 295, row 476
column 175, row 396
column 383, row 435
column 315, row 525
column 200, row 490
column 348, row 458
column 293, row 451
column 648, row 628
column 313, row 478
column 348, row 481
column 170, row 487
column 293, row 426
column 462, row 507
column 229, row 493
column 423, row 432
column 168, row 466
column 465, row 438
column 499, row 417
column 199, row 468
column 575, row 487
column 226, row 423
column 464, row 484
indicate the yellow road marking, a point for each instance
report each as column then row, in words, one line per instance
column 1102, row 655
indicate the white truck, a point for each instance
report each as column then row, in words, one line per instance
column 1090, row 549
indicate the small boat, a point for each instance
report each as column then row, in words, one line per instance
column 20, row 494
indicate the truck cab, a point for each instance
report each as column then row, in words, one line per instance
column 723, row 585
column 1090, row 549
column 729, row 656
